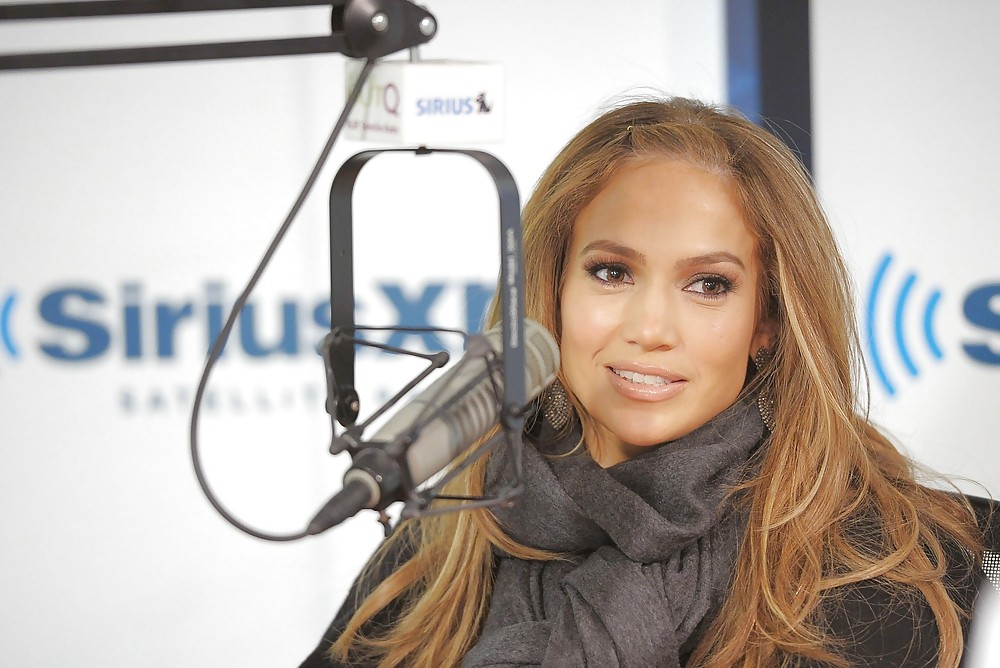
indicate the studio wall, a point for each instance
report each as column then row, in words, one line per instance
column 136, row 202
column 903, row 137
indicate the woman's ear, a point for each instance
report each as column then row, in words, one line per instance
column 764, row 336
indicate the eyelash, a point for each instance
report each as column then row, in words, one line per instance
column 596, row 266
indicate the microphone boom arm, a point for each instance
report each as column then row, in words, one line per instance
column 359, row 29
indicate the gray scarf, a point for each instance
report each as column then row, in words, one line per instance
column 651, row 545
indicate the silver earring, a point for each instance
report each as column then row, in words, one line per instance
column 556, row 406
column 765, row 400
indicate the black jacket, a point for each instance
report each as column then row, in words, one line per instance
column 874, row 627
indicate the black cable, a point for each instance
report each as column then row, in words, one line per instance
column 220, row 340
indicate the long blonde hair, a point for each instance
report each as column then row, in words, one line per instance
column 834, row 502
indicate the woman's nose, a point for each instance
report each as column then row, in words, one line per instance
column 649, row 320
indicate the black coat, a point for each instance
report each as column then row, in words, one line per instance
column 874, row 627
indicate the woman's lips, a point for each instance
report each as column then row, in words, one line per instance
column 645, row 384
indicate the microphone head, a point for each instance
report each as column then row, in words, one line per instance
column 541, row 358
column 470, row 399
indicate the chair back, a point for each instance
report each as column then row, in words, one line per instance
column 988, row 515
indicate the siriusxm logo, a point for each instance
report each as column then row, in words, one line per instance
column 981, row 308
column 453, row 106
column 78, row 323
column 5, row 329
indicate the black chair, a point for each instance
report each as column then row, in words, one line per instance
column 988, row 514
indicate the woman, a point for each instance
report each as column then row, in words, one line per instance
column 702, row 489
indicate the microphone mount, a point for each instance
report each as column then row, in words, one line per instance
column 369, row 29
column 338, row 347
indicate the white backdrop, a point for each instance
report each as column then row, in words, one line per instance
column 904, row 138
column 145, row 194
column 140, row 195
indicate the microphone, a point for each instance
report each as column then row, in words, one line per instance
column 461, row 406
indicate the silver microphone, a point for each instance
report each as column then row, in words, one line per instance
column 465, row 401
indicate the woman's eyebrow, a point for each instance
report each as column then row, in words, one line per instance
column 717, row 257
column 617, row 249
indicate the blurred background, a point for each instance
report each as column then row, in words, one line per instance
column 135, row 202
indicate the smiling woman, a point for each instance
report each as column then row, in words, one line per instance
column 659, row 306
column 702, row 484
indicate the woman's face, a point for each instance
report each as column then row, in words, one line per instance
column 658, row 306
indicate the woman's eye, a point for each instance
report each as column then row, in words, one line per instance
column 711, row 286
column 610, row 273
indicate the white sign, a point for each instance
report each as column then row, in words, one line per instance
column 428, row 102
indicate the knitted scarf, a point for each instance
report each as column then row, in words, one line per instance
column 650, row 546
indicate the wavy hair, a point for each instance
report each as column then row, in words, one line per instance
column 834, row 501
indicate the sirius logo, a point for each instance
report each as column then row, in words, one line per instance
column 6, row 335
column 914, row 315
column 453, row 106
column 79, row 323
column 900, row 300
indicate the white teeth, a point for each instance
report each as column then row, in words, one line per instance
column 640, row 378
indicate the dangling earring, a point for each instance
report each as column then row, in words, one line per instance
column 765, row 400
column 556, row 406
